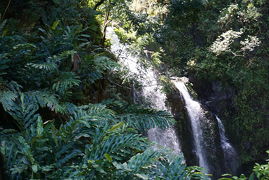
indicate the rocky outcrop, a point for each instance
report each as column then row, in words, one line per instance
column 211, row 138
column 183, row 126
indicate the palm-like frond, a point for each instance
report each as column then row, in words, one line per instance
column 47, row 99
column 117, row 146
column 65, row 81
column 103, row 63
column 21, row 108
column 139, row 117
column 145, row 121
column 46, row 66
column 7, row 99
column 89, row 139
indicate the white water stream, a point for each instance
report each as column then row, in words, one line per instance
column 195, row 113
column 151, row 90
column 230, row 155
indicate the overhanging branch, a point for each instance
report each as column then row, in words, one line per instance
column 98, row 4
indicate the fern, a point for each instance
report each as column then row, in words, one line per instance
column 47, row 99
column 113, row 144
column 103, row 63
column 7, row 99
column 172, row 167
column 139, row 117
column 92, row 141
column 65, row 81
column 146, row 120
column 88, row 145
column 47, row 66
column 138, row 165
column 4, row 63
column 21, row 108
column 99, row 112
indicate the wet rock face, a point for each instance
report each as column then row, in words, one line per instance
column 211, row 138
column 212, row 145
column 217, row 97
column 221, row 98
column 183, row 126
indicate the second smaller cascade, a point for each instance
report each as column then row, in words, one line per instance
column 230, row 156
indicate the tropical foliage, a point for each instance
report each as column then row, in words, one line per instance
column 57, row 121
column 213, row 42
column 65, row 113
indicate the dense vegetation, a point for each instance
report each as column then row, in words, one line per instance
column 213, row 42
column 57, row 121
column 65, row 113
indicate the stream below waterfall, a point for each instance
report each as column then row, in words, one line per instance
column 208, row 134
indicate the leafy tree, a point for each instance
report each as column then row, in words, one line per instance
column 56, row 122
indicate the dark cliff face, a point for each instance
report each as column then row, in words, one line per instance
column 214, row 154
column 184, row 131
column 183, row 126
column 216, row 96
column 218, row 99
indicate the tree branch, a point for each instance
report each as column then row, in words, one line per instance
column 98, row 4
column 6, row 9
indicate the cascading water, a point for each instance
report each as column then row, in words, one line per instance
column 195, row 113
column 204, row 130
column 151, row 90
column 203, row 142
column 230, row 155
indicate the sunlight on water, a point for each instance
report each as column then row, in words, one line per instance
column 151, row 90
column 195, row 113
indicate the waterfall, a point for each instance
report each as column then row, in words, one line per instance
column 151, row 90
column 230, row 155
column 195, row 113
column 204, row 129
column 198, row 122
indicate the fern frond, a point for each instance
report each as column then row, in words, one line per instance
column 144, row 119
column 114, row 144
column 47, row 99
column 46, row 66
column 172, row 167
column 143, row 160
column 4, row 63
column 18, row 154
column 22, row 108
column 139, row 117
column 93, row 76
column 98, row 112
column 7, row 99
column 65, row 81
column 14, row 86
column 144, row 122
column 103, row 63
column 68, row 108
column 139, row 165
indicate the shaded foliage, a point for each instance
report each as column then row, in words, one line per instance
column 52, row 66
